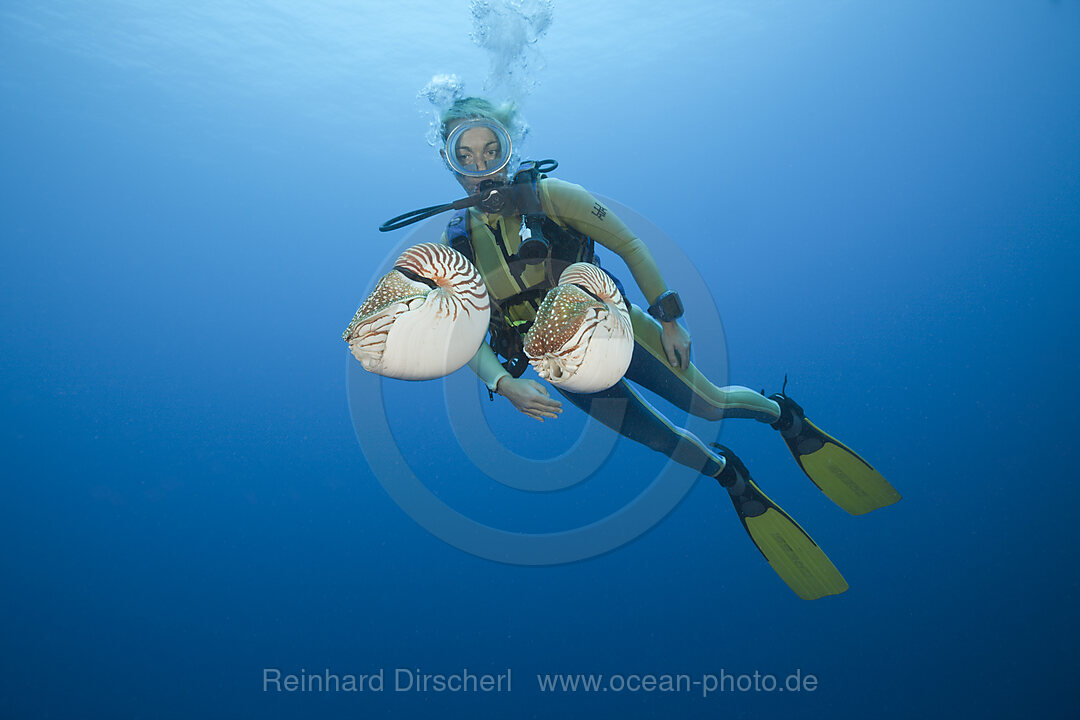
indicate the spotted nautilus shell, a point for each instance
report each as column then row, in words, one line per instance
column 425, row 318
column 581, row 339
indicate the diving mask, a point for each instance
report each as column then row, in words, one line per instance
column 478, row 148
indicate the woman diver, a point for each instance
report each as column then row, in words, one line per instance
column 521, row 230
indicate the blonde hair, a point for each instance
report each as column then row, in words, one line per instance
column 470, row 108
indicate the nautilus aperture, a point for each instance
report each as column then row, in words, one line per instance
column 582, row 339
column 426, row 317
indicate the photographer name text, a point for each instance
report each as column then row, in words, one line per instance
column 275, row 680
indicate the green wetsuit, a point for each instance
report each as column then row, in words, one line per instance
column 495, row 237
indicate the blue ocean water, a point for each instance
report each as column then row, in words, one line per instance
column 882, row 198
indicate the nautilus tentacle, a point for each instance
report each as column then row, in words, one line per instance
column 426, row 317
column 582, row 339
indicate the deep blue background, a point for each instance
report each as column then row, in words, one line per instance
column 884, row 198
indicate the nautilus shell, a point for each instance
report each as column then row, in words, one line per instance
column 419, row 329
column 579, row 341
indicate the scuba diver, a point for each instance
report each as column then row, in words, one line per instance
column 521, row 229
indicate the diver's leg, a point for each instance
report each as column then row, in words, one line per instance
column 626, row 412
column 787, row 547
column 689, row 389
column 837, row 470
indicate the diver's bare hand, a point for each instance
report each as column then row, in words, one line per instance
column 530, row 397
column 676, row 342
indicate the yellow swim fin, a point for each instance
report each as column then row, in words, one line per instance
column 837, row 470
column 793, row 554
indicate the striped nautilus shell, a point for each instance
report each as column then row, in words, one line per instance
column 578, row 342
column 426, row 317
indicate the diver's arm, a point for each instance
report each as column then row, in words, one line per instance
column 485, row 363
column 676, row 341
column 528, row 396
column 575, row 206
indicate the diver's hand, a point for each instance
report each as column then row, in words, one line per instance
column 676, row 342
column 530, row 397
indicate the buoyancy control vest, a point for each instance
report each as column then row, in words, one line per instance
column 513, row 315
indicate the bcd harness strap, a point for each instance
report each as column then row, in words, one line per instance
column 565, row 246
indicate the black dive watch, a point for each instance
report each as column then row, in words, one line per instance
column 667, row 308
